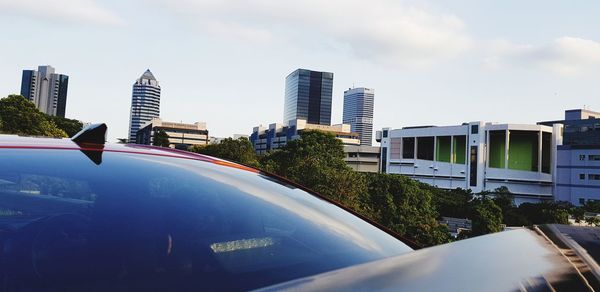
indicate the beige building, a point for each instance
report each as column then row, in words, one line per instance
column 362, row 158
column 180, row 135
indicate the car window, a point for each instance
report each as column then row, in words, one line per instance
column 140, row 222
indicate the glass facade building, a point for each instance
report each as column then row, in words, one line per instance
column 145, row 103
column 358, row 112
column 46, row 89
column 308, row 96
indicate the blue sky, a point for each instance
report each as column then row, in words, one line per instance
column 224, row 61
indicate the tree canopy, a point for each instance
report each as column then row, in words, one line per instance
column 20, row 116
column 161, row 138
column 238, row 150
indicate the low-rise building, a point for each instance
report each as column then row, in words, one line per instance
column 277, row 135
column 362, row 158
column 181, row 136
column 479, row 156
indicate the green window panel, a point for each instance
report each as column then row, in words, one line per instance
column 460, row 148
column 443, row 146
column 497, row 149
column 523, row 150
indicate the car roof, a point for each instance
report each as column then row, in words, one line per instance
column 45, row 143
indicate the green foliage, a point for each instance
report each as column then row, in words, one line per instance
column 70, row 126
column 399, row 203
column 20, row 116
column 404, row 206
column 161, row 138
column 316, row 160
column 238, row 150
column 486, row 216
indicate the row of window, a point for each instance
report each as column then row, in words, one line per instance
column 590, row 157
column 591, row 176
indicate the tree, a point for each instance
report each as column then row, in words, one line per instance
column 238, row 150
column 406, row 207
column 486, row 216
column 316, row 161
column 20, row 116
column 161, row 138
column 70, row 126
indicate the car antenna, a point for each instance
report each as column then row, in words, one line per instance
column 91, row 139
column 92, row 134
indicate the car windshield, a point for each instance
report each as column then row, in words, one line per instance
column 140, row 222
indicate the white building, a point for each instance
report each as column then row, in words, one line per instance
column 277, row 135
column 362, row 158
column 478, row 156
column 145, row 103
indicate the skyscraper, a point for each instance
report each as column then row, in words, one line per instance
column 145, row 103
column 46, row 89
column 358, row 112
column 308, row 96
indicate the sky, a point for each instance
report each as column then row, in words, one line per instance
column 224, row 62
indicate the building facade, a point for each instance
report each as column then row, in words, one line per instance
column 308, row 96
column 46, row 89
column 145, row 103
column 362, row 158
column 578, row 167
column 265, row 139
column 181, row 136
column 358, row 112
column 478, row 156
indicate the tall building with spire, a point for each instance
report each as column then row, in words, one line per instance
column 358, row 112
column 145, row 103
column 46, row 89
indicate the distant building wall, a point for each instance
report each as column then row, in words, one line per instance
column 478, row 156
column 46, row 89
column 180, row 135
column 358, row 112
column 265, row 139
column 362, row 158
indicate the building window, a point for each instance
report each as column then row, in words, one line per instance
column 443, row 149
column 460, row 149
column 581, row 176
column 594, row 176
column 408, row 148
column 594, row 157
column 474, row 129
column 523, row 150
column 385, row 133
column 581, row 157
column 384, row 159
column 581, row 201
column 473, row 167
column 425, row 147
column 395, row 148
column 497, row 149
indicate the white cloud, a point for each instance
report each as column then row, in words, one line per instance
column 380, row 30
column 564, row 55
column 70, row 11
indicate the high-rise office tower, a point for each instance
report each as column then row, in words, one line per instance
column 358, row 112
column 145, row 103
column 308, row 97
column 46, row 89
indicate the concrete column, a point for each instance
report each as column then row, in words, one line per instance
column 506, row 148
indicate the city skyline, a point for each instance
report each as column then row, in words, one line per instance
column 471, row 63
